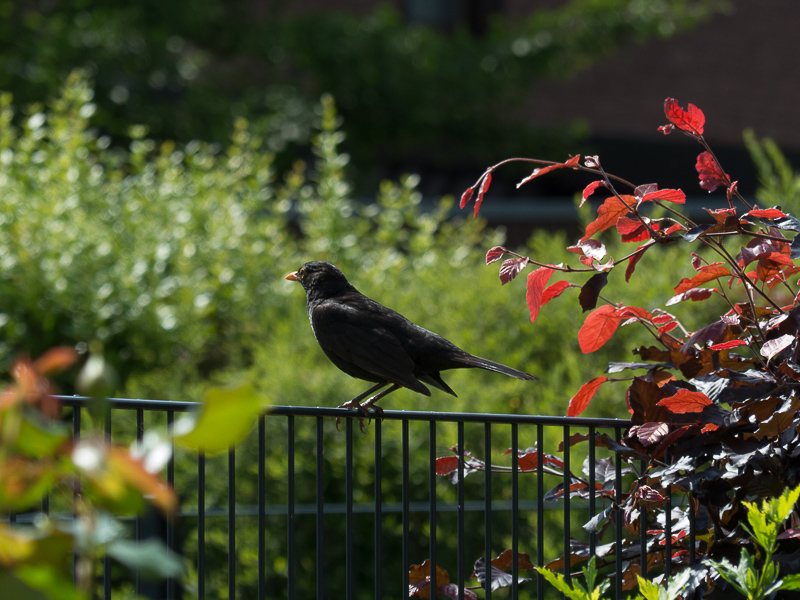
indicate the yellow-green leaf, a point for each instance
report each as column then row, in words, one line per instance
column 225, row 419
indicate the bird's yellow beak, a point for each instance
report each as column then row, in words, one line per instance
column 292, row 276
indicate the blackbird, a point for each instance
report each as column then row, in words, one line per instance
column 371, row 342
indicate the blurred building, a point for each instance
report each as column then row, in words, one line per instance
column 739, row 68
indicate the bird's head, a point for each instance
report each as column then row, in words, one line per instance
column 320, row 279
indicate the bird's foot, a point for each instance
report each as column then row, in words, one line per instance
column 363, row 409
column 355, row 405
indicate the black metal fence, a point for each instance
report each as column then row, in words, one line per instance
column 305, row 510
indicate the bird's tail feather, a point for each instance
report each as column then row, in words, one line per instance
column 483, row 363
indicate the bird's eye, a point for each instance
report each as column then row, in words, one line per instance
column 301, row 273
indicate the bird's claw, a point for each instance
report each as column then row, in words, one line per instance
column 363, row 409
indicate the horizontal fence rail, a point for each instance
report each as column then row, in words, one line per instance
column 302, row 509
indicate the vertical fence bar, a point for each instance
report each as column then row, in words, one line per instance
column 201, row 525
column 514, row 512
column 76, row 490
column 461, row 535
column 290, row 547
column 487, row 509
column 378, row 511
column 432, row 505
column 262, row 500
column 692, row 524
column 231, row 523
column 138, row 519
column 349, row 527
column 567, row 485
column 643, row 528
column 170, row 525
column 618, row 520
column 320, row 511
column 406, row 512
column 539, row 508
column 668, row 527
column 592, row 490
column 106, row 558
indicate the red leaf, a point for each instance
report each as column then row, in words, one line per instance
column 676, row 196
column 608, row 214
column 711, row 175
column 666, row 129
column 691, row 120
column 536, row 284
column 598, row 328
column 580, row 401
column 55, row 360
column 789, row 534
column 466, row 197
column 589, row 248
column 511, row 268
column 706, row 274
column 446, row 465
column 484, row 187
column 766, row 213
column 451, row 591
column 685, row 401
column 651, row 433
column 419, row 579
column 669, row 440
column 633, row 230
column 777, row 257
column 495, row 254
column 709, row 427
column 674, row 228
column 626, row 226
column 722, row 215
column 695, row 295
column 505, row 560
column 528, row 460
column 590, row 189
column 628, row 312
column 772, row 347
column 646, row 494
column 541, row 171
column 554, row 291
column 635, row 259
column 668, row 327
column 728, row 345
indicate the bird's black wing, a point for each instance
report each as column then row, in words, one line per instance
column 359, row 339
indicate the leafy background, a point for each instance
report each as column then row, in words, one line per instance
column 144, row 210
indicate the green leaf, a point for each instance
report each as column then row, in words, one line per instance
column 38, row 582
column 557, row 581
column 40, row 437
column 790, row 582
column 151, row 557
column 225, row 419
column 730, row 573
column 767, row 520
column 590, row 573
column 650, row 590
column 105, row 529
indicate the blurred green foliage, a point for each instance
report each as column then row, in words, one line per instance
column 173, row 255
column 411, row 95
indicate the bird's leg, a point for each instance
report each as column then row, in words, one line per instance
column 371, row 402
column 356, row 402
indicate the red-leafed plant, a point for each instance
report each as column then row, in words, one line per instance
column 714, row 412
